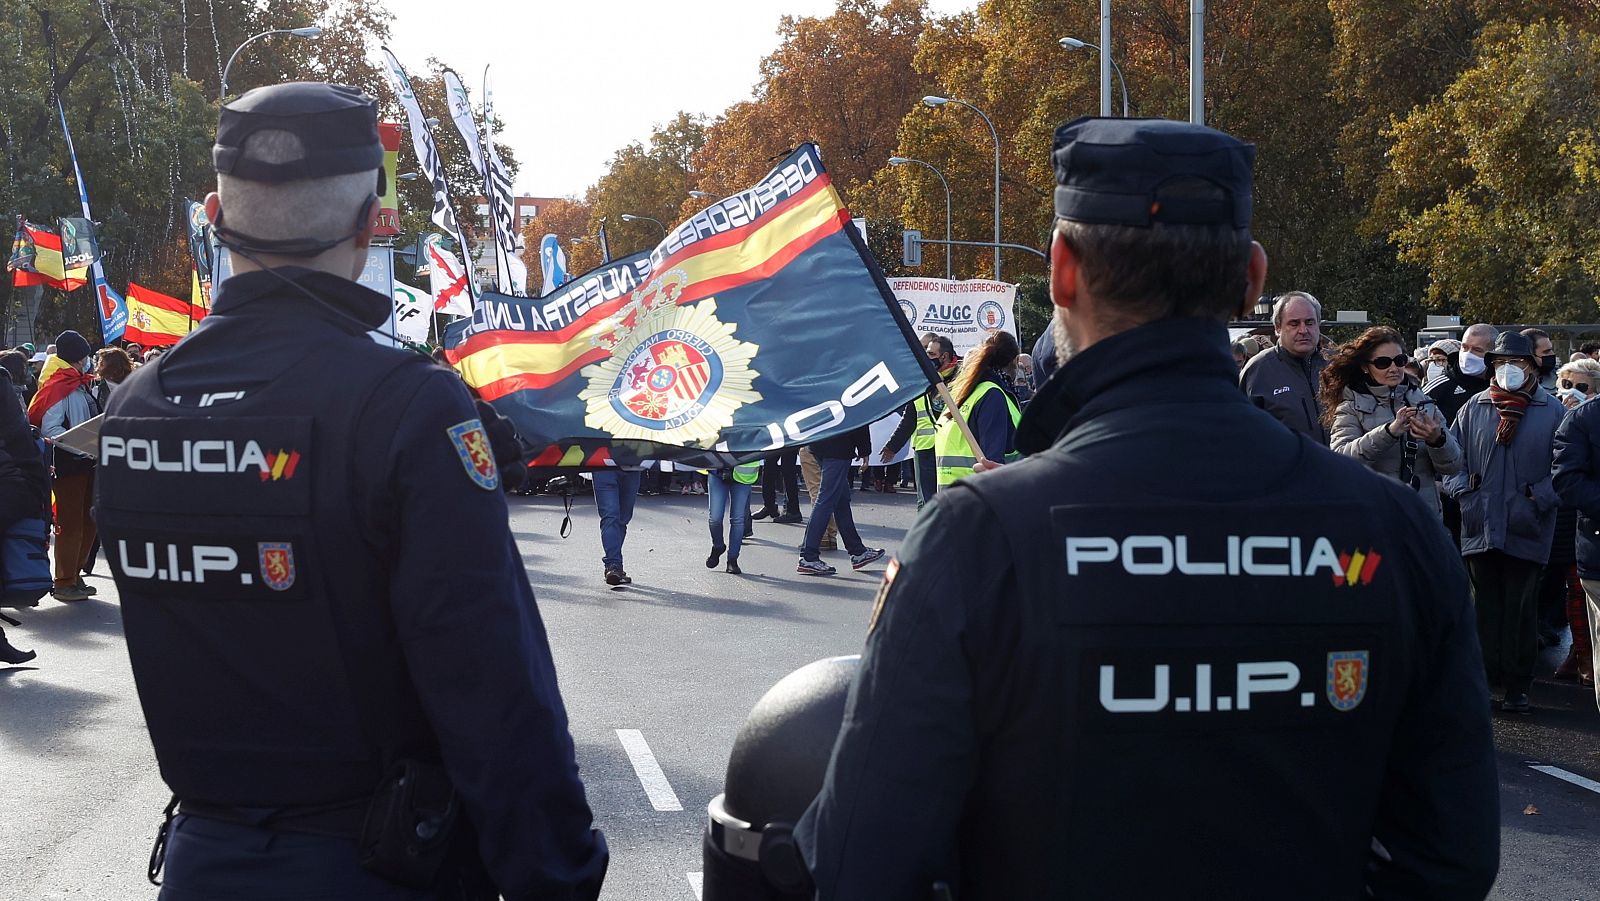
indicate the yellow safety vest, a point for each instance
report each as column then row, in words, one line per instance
column 747, row 473
column 952, row 457
column 927, row 424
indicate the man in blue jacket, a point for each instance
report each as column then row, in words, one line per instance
column 1508, row 509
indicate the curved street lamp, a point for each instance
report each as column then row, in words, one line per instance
column 702, row 195
column 1075, row 44
column 901, row 161
column 309, row 31
column 629, row 217
column 935, row 101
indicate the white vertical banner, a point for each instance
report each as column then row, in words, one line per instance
column 427, row 154
column 461, row 114
column 511, row 273
column 965, row 311
column 412, row 307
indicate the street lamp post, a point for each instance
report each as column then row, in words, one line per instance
column 702, row 195
column 310, row 31
column 901, row 161
column 1075, row 44
column 629, row 217
column 936, row 102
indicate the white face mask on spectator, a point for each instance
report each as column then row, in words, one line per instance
column 1509, row 376
column 1471, row 363
column 1434, row 370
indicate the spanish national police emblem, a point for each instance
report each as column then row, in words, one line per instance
column 472, row 445
column 1347, row 678
column 277, row 564
column 676, row 375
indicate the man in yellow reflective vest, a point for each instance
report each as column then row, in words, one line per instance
column 921, row 418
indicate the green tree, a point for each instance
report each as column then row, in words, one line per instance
column 1499, row 179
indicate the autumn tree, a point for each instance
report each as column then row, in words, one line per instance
column 568, row 220
column 648, row 181
column 842, row 82
column 1502, row 175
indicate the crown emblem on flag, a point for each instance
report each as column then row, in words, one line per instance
column 676, row 374
column 656, row 296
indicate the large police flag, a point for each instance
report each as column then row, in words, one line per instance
column 758, row 323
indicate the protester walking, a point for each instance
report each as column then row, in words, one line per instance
column 1375, row 414
column 728, row 498
column 65, row 401
column 833, row 502
column 811, row 473
column 616, row 489
column 1508, row 510
column 780, row 471
column 919, row 421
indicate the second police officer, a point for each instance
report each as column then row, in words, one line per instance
column 345, row 676
column 1180, row 651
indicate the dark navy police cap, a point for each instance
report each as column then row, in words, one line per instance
column 1136, row 172
column 337, row 126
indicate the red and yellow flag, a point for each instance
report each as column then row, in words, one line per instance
column 48, row 266
column 155, row 319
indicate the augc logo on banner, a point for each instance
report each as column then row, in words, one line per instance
column 991, row 317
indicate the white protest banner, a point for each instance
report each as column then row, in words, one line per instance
column 412, row 307
column 963, row 311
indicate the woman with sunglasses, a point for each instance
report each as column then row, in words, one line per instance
column 1376, row 413
column 1578, row 382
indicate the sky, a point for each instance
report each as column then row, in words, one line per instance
column 576, row 81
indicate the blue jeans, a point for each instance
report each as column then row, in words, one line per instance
column 614, row 494
column 927, row 475
column 833, row 499
column 732, row 500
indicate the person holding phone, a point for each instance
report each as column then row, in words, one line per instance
column 1378, row 415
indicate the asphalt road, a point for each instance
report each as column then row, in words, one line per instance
column 671, row 663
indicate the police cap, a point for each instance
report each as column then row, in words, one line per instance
column 337, row 126
column 1134, row 172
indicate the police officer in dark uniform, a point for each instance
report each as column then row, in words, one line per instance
column 1180, row 651
column 344, row 673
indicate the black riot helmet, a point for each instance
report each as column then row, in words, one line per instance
column 776, row 769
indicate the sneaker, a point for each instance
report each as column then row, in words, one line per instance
column 70, row 593
column 87, row 588
column 715, row 558
column 683, row 489
column 828, row 544
column 733, row 567
column 11, row 655
column 866, row 558
column 617, row 576
column 765, row 513
column 1517, row 703
column 813, row 568
column 699, row 489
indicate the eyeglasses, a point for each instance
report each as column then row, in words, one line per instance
column 1569, row 384
column 1387, row 362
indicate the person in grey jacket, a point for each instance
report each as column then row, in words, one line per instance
column 1284, row 380
column 1508, row 509
column 1378, row 416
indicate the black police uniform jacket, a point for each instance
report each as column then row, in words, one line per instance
column 316, row 572
column 1181, row 653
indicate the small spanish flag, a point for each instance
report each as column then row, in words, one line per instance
column 155, row 319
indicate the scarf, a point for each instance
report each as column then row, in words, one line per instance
column 58, row 380
column 1511, row 404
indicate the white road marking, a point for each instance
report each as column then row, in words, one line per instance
column 1565, row 776
column 654, row 781
column 696, row 880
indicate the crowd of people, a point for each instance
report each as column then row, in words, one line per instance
column 1496, row 435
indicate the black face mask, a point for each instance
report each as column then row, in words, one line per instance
column 1547, row 365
